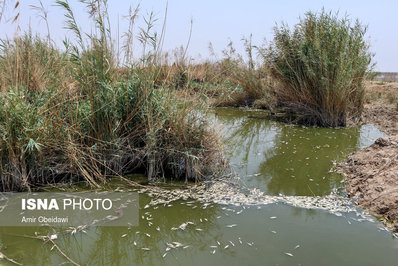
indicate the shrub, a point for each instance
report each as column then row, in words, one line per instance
column 101, row 126
column 320, row 66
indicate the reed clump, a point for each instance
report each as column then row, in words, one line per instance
column 73, row 114
column 320, row 66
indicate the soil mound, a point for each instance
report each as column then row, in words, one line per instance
column 372, row 176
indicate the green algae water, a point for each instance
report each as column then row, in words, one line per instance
column 275, row 158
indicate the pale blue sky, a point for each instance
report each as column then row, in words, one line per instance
column 219, row 21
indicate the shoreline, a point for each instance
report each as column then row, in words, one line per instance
column 371, row 174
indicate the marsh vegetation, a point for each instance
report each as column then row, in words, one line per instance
column 93, row 109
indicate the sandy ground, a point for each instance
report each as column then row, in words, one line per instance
column 372, row 173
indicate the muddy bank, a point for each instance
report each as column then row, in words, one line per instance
column 372, row 178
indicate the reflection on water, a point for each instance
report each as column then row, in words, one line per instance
column 287, row 159
column 271, row 156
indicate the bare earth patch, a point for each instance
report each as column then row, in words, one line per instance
column 381, row 108
column 372, row 176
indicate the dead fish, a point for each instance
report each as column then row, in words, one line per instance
column 146, row 249
column 232, row 243
column 53, row 237
column 231, row 225
column 289, row 254
column 146, row 206
column 182, row 226
column 296, row 247
column 135, row 243
column 273, row 232
column 148, row 235
column 227, row 246
column 214, row 251
column 177, row 244
column 164, row 255
column 213, row 246
column 219, row 243
column 273, row 217
column 199, row 229
column 250, row 244
column 124, row 235
column 170, row 246
column 186, row 247
column 158, row 228
column 240, row 241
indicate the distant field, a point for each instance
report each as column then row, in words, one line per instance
column 386, row 76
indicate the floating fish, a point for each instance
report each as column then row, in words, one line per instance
column 146, row 249
column 273, row 217
column 231, row 225
column 289, row 254
column 296, row 247
column 227, row 246
column 164, row 255
column 124, row 235
column 182, row 226
column 177, row 244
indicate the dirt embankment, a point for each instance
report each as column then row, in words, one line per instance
column 372, row 173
